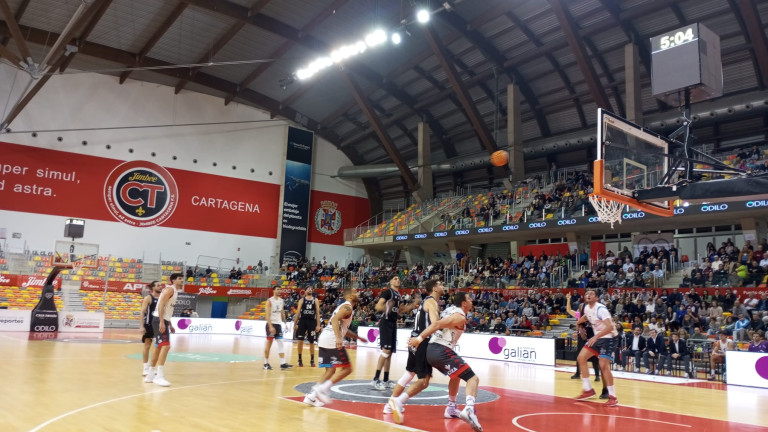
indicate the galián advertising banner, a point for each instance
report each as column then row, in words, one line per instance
column 298, row 173
column 136, row 193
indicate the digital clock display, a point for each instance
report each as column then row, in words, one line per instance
column 675, row 38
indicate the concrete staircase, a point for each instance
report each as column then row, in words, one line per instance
column 73, row 300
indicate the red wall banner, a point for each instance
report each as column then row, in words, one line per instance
column 122, row 287
column 26, row 281
column 330, row 214
column 137, row 193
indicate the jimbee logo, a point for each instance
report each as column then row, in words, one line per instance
column 141, row 194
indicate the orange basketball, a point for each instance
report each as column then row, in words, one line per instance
column 499, row 158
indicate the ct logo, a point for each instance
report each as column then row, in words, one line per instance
column 141, row 194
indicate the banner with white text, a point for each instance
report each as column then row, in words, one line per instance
column 136, row 193
column 296, row 191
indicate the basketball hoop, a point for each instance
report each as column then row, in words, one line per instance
column 77, row 266
column 608, row 210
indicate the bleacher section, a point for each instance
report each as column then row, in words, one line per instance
column 512, row 206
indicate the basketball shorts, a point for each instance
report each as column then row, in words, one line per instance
column 278, row 331
column 417, row 361
column 603, row 348
column 333, row 358
column 445, row 360
column 306, row 329
column 388, row 335
column 149, row 333
column 164, row 338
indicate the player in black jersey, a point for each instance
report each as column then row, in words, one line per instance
column 147, row 307
column 307, row 323
column 389, row 304
column 585, row 332
column 428, row 312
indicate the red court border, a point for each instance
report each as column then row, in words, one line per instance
column 542, row 413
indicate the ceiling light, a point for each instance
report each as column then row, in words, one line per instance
column 422, row 16
column 396, row 38
column 377, row 37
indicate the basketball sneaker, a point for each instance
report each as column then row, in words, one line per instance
column 397, row 410
column 391, row 384
column 267, row 366
column 150, row 376
column 301, row 364
column 161, row 381
column 285, row 366
column 312, row 401
column 380, row 386
column 586, row 394
column 468, row 415
column 451, row 412
column 312, row 364
column 388, row 409
column 612, row 401
column 604, row 394
column 323, row 395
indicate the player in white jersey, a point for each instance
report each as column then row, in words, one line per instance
column 332, row 356
column 441, row 356
column 417, row 365
column 600, row 345
column 275, row 320
column 162, row 327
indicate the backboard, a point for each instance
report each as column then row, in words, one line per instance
column 70, row 254
column 629, row 158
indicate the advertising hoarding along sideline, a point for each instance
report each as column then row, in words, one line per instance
column 515, row 349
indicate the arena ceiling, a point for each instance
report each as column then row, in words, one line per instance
column 566, row 56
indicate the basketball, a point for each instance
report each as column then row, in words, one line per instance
column 499, row 158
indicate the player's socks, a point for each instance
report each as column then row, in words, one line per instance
column 585, row 384
column 470, row 402
column 386, row 377
column 282, row 361
column 612, row 390
column 378, row 374
column 326, row 385
column 403, row 398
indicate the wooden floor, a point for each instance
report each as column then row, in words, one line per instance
column 94, row 383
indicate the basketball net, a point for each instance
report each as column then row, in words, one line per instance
column 77, row 266
column 608, row 210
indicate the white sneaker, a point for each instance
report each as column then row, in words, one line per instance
column 451, row 412
column 311, row 401
column 391, row 384
column 380, row 386
column 388, row 410
column 149, row 377
column 397, row 410
column 146, row 370
column 161, row 381
column 620, row 369
column 667, row 373
column 468, row 415
column 321, row 395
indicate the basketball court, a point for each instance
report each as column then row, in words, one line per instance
column 93, row 382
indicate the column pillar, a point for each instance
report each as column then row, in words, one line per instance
column 633, row 97
column 424, row 174
column 515, row 134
